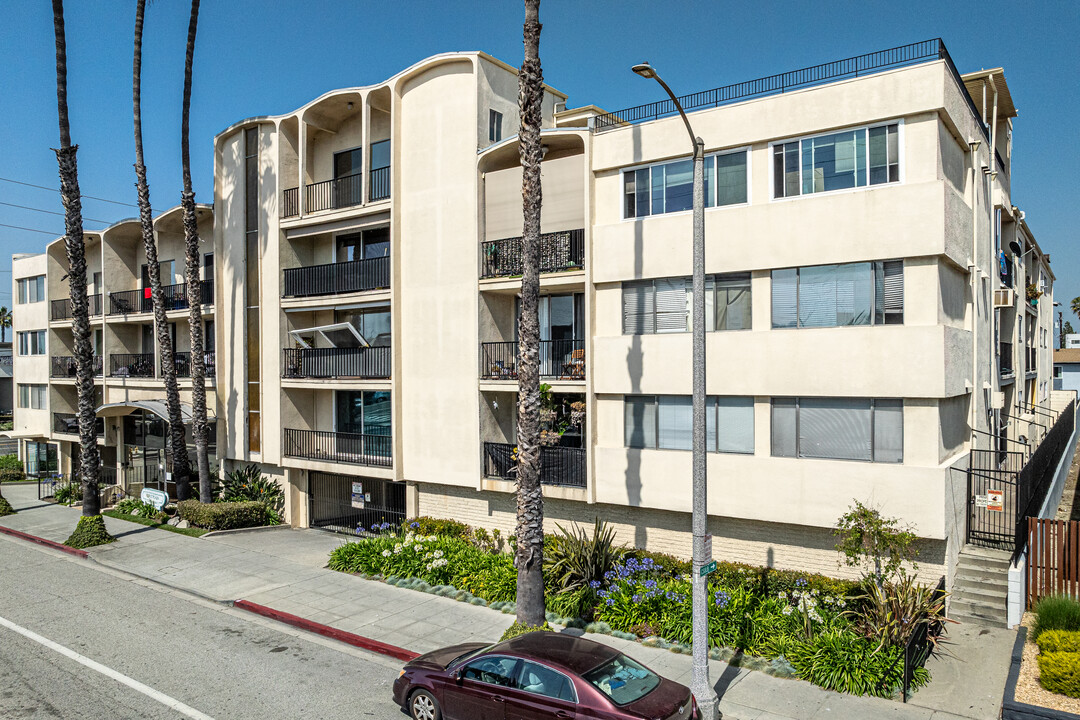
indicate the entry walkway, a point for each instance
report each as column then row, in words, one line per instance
column 284, row 569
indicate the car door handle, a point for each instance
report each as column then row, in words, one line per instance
column 563, row 714
column 499, row 698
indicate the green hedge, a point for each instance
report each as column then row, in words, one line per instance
column 1059, row 641
column 225, row 515
column 11, row 462
column 1059, row 672
column 1056, row 612
column 89, row 532
column 11, row 475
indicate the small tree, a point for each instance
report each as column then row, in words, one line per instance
column 878, row 546
column 1066, row 329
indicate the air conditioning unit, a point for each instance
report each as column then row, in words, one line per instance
column 1005, row 297
column 997, row 400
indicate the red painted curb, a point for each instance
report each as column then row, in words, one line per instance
column 42, row 541
column 346, row 637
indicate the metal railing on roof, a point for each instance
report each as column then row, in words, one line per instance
column 857, row 66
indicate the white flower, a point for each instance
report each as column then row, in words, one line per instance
column 786, row 610
column 782, row 595
column 438, row 553
column 397, row 549
column 386, row 553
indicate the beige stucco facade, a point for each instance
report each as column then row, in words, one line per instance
column 319, row 224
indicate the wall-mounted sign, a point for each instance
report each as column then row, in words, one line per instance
column 995, row 500
column 358, row 497
column 981, row 501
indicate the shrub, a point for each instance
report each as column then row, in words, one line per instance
column 522, row 629
column 90, row 532
column 224, row 515
column 878, row 545
column 5, row 507
column 1053, row 641
column 1056, row 612
column 11, row 462
column 845, row 663
column 573, row 560
column 435, row 526
column 11, row 475
column 1059, row 672
column 888, row 614
column 68, row 494
column 669, row 565
column 248, row 484
column 138, row 508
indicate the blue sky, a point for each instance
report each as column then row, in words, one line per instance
column 268, row 57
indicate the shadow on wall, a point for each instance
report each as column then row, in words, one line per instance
column 634, row 366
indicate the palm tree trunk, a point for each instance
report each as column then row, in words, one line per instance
column 76, row 252
column 530, row 500
column 177, row 442
column 194, row 280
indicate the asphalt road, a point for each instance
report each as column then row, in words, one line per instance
column 81, row 641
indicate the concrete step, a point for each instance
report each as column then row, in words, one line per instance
column 976, row 551
column 981, row 581
column 978, row 620
column 979, row 594
column 982, row 562
column 978, row 612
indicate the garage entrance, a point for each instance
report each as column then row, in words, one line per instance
column 341, row 503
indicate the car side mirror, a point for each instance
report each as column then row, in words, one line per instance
column 459, row 675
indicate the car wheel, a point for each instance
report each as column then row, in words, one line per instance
column 424, row 706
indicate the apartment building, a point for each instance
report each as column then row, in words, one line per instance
column 130, row 394
column 877, row 306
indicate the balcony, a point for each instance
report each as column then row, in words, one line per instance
column 559, row 360
column 290, row 203
column 337, row 278
column 560, row 466
column 559, row 251
column 68, row 424
column 139, row 301
column 61, row 309
column 182, row 363
column 125, row 365
column 1005, row 359
column 340, row 447
column 63, row 366
column 347, row 362
column 380, row 184
column 334, row 194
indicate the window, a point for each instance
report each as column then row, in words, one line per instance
column 837, row 161
column 1057, row 371
column 373, row 324
column 835, row 295
column 493, row 670
column 536, row 678
column 623, row 680
column 494, row 126
column 664, row 305
column 33, row 396
column 32, row 342
column 838, row 429
column 363, row 245
column 666, row 422
column 669, row 187
column 31, row 289
column 348, row 162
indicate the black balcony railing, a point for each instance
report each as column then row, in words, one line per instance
column 140, row 301
column 182, row 363
column 207, row 289
column 335, row 278
column 559, row 360
column 380, row 184
column 68, row 424
column 355, row 362
column 341, row 447
column 131, row 365
column 63, row 366
column 61, row 309
column 1005, row 358
column 563, row 466
column 559, row 251
column 333, row 194
column 290, row 202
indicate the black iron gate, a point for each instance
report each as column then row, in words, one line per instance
column 346, row 503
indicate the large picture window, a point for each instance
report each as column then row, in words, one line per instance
column 32, row 342
column 31, row 289
column 664, row 305
column 33, row 397
column 837, row 161
column 666, row 422
column 669, row 187
column 871, row 430
column 869, row 293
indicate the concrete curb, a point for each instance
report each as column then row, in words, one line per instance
column 331, row 632
column 1012, row 710
column 237, row 531
column 42, row 541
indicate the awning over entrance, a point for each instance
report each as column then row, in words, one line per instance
column 157, row 407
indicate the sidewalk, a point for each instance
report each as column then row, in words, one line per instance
column 284, row 569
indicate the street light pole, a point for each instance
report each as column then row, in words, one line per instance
column 707, row 701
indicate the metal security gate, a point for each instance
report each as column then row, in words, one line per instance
column 348, row 503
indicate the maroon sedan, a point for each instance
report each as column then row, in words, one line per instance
column 539, row 675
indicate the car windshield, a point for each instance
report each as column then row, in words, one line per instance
column 623, row 680
column 469, row 655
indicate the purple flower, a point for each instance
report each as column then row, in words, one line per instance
column 636, row 598
column 722, row 599
column 610, row 601
column 594, row 584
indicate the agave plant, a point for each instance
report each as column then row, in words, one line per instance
column 890, row 613
column 574, row 560
column 248, row 483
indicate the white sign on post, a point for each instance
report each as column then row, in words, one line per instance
column 358, row 497
column 153, row 497
column 981, row 501
column 708, row 547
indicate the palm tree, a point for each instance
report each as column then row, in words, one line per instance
column 194, row 281
column 529, row 557
column 1075, row 306
column 5, row 323
column 76, row 253
column 177, row 441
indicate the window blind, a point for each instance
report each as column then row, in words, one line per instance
column 837, row 428
column 639, row 307
column 785, row 298
column 784, row 425
column 671, row 302
column 674, row 422
column 893, row 291
column 735, row 418
column 889, row 431
column 817, row 296
column 639, row 421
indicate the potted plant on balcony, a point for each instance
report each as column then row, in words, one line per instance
column 1033, row 293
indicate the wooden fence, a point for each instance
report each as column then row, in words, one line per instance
column 1053, row 563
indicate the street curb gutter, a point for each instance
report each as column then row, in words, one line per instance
column 331, row 632
column 1013, row 710
column 42, row 541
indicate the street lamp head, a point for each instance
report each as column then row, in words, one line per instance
column 645, row 70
